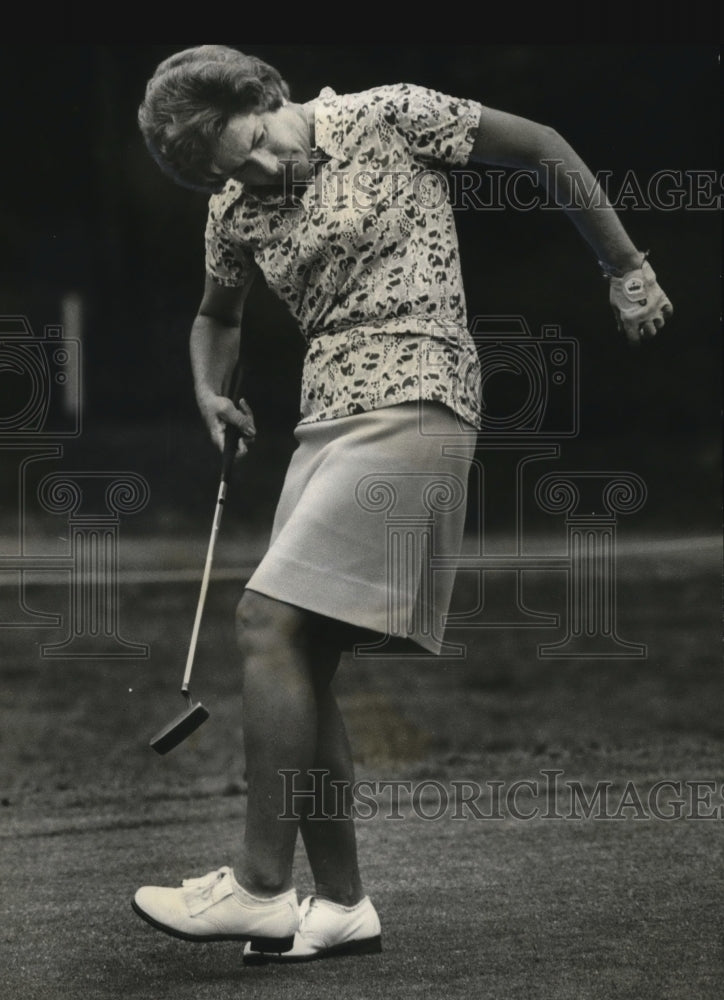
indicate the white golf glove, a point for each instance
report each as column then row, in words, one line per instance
column 639, row 304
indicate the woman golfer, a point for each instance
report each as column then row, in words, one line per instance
column 335, row 203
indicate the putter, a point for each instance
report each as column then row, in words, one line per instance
column 195, row 714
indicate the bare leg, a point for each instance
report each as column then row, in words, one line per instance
column 291, row 722
column 331, row 843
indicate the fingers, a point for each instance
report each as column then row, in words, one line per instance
column 644, row 322
column 243, row 418
column 221, row 413
column 240, row 417
column 651, row 322
column 248, row 427
column 637, row 330
column 218, row 436
column 648, row 329
column 625, row 324
column 241, row 445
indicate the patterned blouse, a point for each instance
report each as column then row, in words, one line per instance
column 365, row 256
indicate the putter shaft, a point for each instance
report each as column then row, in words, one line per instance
column 231, row 438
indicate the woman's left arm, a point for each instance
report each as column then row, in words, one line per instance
column 506, row 140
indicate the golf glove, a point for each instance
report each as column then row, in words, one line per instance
column 640, row 306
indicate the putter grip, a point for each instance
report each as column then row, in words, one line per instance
column 231, row 432
column 231, row 439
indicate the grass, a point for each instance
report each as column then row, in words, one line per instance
column 536, row 909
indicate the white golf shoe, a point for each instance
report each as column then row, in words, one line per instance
column 216, row 908
column 326, row 930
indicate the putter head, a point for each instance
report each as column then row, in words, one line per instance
column 181, row 727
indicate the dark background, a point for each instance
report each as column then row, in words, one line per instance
column 84, row 209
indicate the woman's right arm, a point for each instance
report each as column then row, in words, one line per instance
column 214, row 348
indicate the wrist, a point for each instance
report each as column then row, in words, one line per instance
column 623, row 264
column 205, row 396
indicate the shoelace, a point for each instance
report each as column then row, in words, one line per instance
column 202, row 888
column 204, row 892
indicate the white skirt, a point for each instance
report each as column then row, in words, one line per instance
column 370, row 520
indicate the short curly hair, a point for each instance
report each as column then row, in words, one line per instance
column 189, row 100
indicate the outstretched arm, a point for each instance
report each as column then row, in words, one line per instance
column 641, row 307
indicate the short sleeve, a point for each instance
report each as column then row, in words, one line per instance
column 434, row 126
column 228, row 262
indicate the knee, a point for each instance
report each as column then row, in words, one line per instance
column 264, row 625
